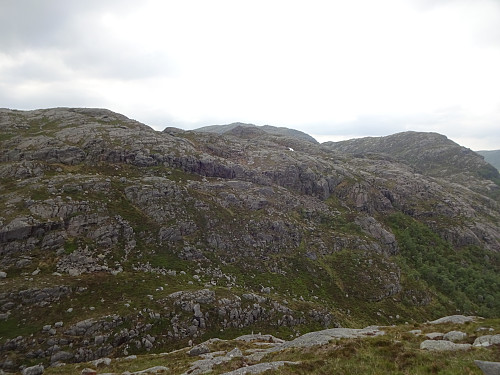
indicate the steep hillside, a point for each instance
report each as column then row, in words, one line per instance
column 492, row 157
column 116, row 239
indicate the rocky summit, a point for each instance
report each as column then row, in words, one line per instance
column 117, row 240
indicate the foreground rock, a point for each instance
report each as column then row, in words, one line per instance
column 327, row 335
column 443, row 346
column 487, row 340
column 455, row 319
column 489, row 368
column 33, row 370
column 151, row 370
column 259, row 368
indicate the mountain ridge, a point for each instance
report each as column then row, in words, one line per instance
column 150, row 239
column 281, row 131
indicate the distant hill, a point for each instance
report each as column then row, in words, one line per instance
column 221, row 129
column 492, row 157
column 430, row 153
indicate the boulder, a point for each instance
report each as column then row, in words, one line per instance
column 198, row 350
column 443, row 345
column 488, row 368
column 455, row 319
column 151, row 370
column 455, row 336
column 101, row 362
column 33, row 370
column 487, row 340
column 259, row 368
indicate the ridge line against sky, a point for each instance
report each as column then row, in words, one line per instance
column 333, row 69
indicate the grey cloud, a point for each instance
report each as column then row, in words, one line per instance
column 69, row 32
column 62, row 94
column 32, row 24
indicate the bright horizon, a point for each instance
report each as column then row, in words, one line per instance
column 332, row 69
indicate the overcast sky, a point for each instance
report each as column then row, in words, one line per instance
column 333, row 69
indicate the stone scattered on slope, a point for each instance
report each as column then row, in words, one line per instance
column 205, row 365
column 456, row 319
column 260, row 337
column 325, row 336
column 487, row 340
column 259, row 368
column 443, row 345
column 455, row 336
column 488, row 368
column 151, row 370
column 101, row 362
column 198, row 350
column 33, row 370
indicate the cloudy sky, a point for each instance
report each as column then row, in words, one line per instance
column 335, row 69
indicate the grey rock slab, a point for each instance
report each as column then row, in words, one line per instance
column 101, row 362
column 487, row 340
column 325, row 336
column 198, row 350
column 434, row 335
column 261, row 338
column 205, row 365
column 456, row 319
column 488, row 368
column 235, row 353
column 33, row 370
column 259, row 368
column 443, row 345
column 151, row 370
column 455, row 336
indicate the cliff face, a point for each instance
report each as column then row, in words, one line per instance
column 148, row 239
